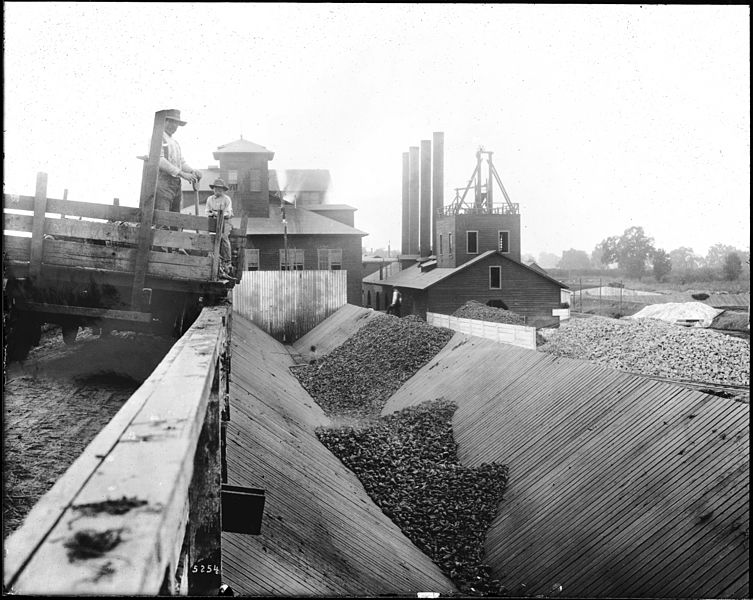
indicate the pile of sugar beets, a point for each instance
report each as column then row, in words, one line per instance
column 407, row 461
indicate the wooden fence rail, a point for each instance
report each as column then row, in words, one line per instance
column 88, row 235
column 517, row 335
column 117, row 522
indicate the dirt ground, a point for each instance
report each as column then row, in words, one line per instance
column 58, row 399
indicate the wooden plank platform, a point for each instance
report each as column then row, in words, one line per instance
column 620, row 486
column 321, row 533
column 73, row 542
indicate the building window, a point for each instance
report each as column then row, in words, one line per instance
column 471, row 239
column 504, row 241
column 294, row 260
column 252, row 259
column 449, row 244
column 254, row 179
column 495, row 278
column 441, row 245
column 368, row 299
column 232, row 180
column 330, row 259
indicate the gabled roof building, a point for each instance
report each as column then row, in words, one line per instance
column 314, row 236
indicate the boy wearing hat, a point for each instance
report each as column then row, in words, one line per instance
column 221, row 202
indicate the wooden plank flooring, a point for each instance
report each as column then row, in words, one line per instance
column 619, row 485
column 321, row 533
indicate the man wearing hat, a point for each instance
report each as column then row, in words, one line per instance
column 172, row 167
column 221, row 202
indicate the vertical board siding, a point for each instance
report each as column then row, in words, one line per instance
column 504, row 333
column 289, row 304
column 620, row 486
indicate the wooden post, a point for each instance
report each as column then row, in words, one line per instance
column 37, row 229
column 242, row 247
column 148, row 192
column 219, row 228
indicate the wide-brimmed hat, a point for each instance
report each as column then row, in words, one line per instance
column 174, row 114
column 220, row 184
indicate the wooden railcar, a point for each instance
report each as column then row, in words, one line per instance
column 106, row 266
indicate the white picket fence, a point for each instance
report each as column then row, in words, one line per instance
column 516, row 335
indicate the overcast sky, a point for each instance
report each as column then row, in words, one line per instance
column 600, row 117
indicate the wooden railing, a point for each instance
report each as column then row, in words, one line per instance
column 85, row 235
column 117, row 522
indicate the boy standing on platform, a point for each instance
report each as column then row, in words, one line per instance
column 221, row 202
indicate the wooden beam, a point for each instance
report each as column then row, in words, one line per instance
column 84, row 311
column 75, row 208
column 112, row 232
column 242, row 247
column 148, row 193
column 217, row 240
column 115, row 522
column 205, row 498
column 173, row 219
column 37, row 229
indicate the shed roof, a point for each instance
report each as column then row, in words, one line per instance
column 604, row 460
column 242, row 146
column 326, row 207
column 300, row 222
column 412, row 277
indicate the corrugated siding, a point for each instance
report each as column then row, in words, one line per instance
column 504, row 333
column 321, row 533
column 620, row 486
column 289, row 304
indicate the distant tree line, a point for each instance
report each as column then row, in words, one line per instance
column 635, row 255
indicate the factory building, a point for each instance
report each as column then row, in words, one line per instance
column 302, row 233
column 466, row 250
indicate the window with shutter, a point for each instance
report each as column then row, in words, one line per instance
column 294, row 260
column 252, row 259
column 330, row 259
column 504, row 241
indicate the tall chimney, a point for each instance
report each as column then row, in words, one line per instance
column 437, row 185
column 406, row 208
column 425, row 218
column 413, row 200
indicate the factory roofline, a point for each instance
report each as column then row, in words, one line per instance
column 300, row 221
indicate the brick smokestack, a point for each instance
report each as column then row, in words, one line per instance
column 437, row 185
column 413, row 187
column 406, row 208
column 425, row 218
